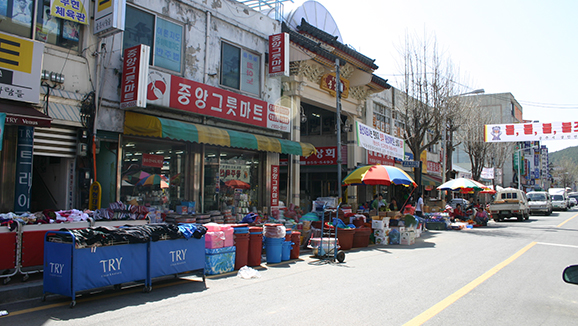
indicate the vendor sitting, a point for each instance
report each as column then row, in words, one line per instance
column 458, row 213
column 378, row 203
column 393, row 205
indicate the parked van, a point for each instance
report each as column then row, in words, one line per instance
column 510, row 202
column 539, row 202
column 559, row 198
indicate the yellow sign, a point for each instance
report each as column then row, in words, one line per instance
column 423, row 159
column 95, row 196
column 16, row 53
column 104, row 4
column 73, row 10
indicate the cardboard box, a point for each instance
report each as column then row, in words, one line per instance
column 382, row 240
column 407, row 238
column 377, row 224
column 392, row 214
column 379, row 233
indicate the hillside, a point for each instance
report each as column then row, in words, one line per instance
column 570, row 153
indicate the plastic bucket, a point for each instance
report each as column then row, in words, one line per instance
column 296, row 239
column 361, row 237
column 286, row 254
column 242, row 251
column 274, row 249
column 255, row 248
column 345, row 237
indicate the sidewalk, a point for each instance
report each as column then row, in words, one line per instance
column 18, row 290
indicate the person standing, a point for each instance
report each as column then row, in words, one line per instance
column 378, row 202
column 419, row 206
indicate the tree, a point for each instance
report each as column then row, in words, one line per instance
column 427, row 104
column 565, row 173
column 471, row 135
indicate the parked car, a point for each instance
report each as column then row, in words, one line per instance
column 464, row 203
column 559, row 198
column 573, row 195
column 510, row 202
column 539, row 202
column 573, row 201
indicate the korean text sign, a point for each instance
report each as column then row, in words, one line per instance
column 20, row 68
column 279, row 54
column 377, row 141
column 134, row 75
column 73, row 10
column 516, row 132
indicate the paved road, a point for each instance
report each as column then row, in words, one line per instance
column 508, row 273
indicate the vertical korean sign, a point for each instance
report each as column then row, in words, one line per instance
column 24, row 151
column 279, row 54
column 274, row 185
column 72, row 10
column 135, row 70
column 20, row 68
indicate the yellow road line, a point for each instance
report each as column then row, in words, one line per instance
column 440, row 306
column 559, row 225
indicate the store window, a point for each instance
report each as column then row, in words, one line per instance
column 164, row 37
column 381, row 117
column 231, row 180
column 16, row 18
column 153, row 173
column 240, row 69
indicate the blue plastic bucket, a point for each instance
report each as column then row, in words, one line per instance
column 274, row 249
column 286, row 255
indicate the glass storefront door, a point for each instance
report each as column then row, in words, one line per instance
column 231, row 180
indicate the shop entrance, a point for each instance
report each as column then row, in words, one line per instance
column 231, row 180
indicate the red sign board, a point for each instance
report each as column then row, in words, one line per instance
column 434, row 167
column 274, row 185
column 378, row 158
column 134, row 77
column 184, row 94
column 279, row 54
column 155, row 161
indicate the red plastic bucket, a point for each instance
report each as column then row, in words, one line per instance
column 242, row 249
column 345, row 237
column 361, row 237
column 296, row 239
column 255, row 246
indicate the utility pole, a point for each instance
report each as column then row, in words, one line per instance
column 338, row 127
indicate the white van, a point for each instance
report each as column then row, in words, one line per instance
column 559, row 198
column 510, row 202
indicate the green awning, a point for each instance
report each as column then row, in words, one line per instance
column 430, row 180
column 145, row 125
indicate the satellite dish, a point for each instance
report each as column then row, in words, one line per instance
column 315, row 14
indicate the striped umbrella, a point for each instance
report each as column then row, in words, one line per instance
column 378, row 175
column 463, row 185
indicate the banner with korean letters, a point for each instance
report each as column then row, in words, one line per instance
column 73, row 10
column 516, row 132
column 380, row 142
column 179, row 93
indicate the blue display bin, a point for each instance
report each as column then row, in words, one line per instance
column 68, row 270
column 219, row 260
column 177, row 256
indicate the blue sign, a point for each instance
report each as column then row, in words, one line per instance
column 168, row 43
column 410, row 164
column 23, row 169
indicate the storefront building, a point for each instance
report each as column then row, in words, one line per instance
column 45, row 75
column 208, row 126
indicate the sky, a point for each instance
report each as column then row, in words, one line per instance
column 525, row 47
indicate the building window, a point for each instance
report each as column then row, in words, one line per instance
column 54, row 30
column 16, row 18
column 381, row 118
column 164, row 37
column 240, row 69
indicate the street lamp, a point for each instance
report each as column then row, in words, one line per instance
column 520, row 163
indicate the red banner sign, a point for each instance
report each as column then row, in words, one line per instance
column 274, row 185
column 434, row 168
column 155, row 161
column 378, row 158
column 135, row 69
column 279, row 54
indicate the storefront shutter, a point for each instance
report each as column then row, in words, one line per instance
column 58, row 141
